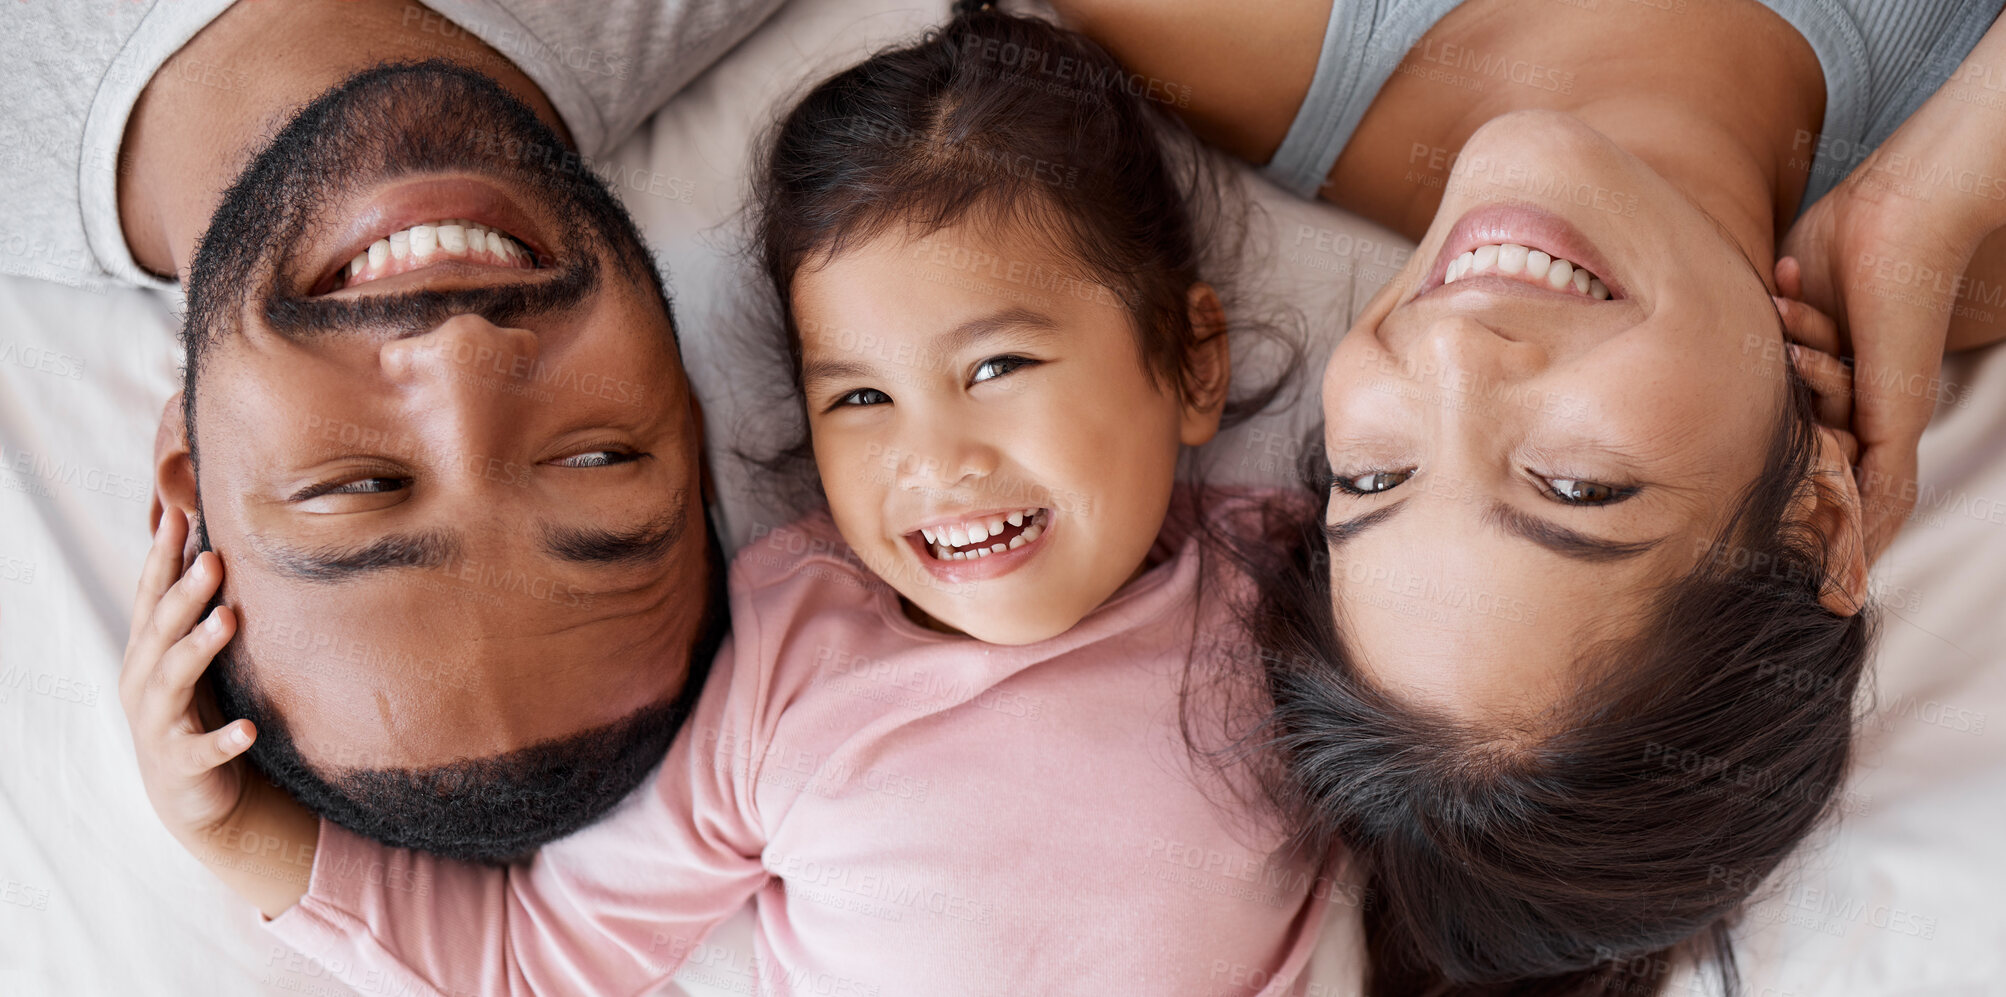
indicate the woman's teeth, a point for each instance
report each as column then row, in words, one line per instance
column 419, row 245
column 983, row 537
column 1528, row 265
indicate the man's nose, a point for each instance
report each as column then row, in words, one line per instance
column 467, row 373
column 466, row 351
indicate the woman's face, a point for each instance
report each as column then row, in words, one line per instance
column 1519, row 460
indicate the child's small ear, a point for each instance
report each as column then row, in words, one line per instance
column 174, row 474
column 1208, row 369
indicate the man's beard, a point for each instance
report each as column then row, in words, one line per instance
column 380, row 125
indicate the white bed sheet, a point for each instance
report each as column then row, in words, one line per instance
column 1902, row 897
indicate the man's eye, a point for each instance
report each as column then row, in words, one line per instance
column 359, row 486
column 863, row 396
column 1574, row 491
column 1370, row 482
column 599, row 458
column 995, row 367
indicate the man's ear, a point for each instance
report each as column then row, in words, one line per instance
column 174, row 474
column 1832, row 507
column 1208, row 369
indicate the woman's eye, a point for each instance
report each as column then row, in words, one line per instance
column 995, row 367
column 1369, row 483
column 1577, row 492
column 598, row 458
column 862, row 396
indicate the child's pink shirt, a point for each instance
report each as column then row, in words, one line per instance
column 912, row 813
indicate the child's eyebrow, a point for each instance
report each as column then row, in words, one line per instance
column 816, row 369
column 977, row 329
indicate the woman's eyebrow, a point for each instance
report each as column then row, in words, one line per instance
column 1552, row 536
column 1563, row 541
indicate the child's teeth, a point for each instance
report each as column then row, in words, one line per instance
column 976, row 533
column 957, row 536
column 1018, row 541
column 995, row 525
column 400, row 245
column 1537, row 263
column 424, row 241
column 1014, row 519
column 453, row 239
column 1032, row 532
column 928, row 534
column 1559, row 275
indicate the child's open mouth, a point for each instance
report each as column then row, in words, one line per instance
column 982, row 536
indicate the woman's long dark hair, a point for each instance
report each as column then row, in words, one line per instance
column 1593, row 858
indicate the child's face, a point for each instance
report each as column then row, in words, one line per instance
column 968, row 386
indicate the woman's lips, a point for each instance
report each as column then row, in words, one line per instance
column 1495, row 227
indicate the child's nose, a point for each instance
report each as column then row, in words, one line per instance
column 941, row 456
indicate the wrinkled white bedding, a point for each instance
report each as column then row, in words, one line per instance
column 1902, row 897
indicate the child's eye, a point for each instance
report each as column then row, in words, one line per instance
column 598, row 458
column 995, row 367
column 1370, row 482
column 862, row 396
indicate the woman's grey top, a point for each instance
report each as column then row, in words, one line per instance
column 1882, row 59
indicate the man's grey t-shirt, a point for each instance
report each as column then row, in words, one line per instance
column 70, row 73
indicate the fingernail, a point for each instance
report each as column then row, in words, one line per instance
column 238, row 737
column 215, row 622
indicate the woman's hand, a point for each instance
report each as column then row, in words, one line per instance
column 1886, row 253
column 196, row 778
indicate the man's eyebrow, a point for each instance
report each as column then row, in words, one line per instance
column 635, row 545
column 1525, row 526
column 329, row 564
column 1563, row 541
column 961, row 336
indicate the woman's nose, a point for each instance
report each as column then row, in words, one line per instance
column 1466, row 349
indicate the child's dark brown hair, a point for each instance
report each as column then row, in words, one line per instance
column 995, row 119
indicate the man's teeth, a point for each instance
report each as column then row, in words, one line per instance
column 1529, row 265
column 454, row 237
column 972, row 539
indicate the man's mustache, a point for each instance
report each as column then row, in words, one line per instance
column 408, row 313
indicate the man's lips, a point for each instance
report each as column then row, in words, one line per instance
column 451, row 240
column 410, row 208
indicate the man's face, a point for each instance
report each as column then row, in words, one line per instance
column 457, row 491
